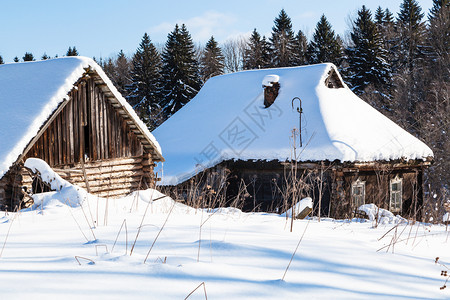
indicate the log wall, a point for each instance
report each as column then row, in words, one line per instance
column 265, row 185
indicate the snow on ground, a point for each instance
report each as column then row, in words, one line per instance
column 242, row 255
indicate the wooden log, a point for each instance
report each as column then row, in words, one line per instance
column 113, row 170
column 96, row 187
column 76, row 177
column 112, row 162
column 114, row 194
column 106, row 184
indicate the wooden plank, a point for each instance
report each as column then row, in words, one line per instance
column 64, row 135
column 81, row 122
column 126, row 141
column 100, row 127
column 93, row 123
column 51, row 160
column 71, row 139
column 105, row 126
column 97, row 125
column 41, row 148
column 88, row 139
column 76, row 128
column 116, row 134
column 97, row 119
column 58, row 139
column 55, row 143
column 46, row 146
column 110, row 126
column 119, row 136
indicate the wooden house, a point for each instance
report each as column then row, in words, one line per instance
column 302, row 133
column 68, row 113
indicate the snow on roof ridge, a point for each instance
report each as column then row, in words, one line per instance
column 36, row 109
column 336, row 124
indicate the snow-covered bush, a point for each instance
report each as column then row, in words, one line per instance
column 384, row 216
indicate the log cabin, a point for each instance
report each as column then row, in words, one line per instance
column 67, row 112
column 302, row 132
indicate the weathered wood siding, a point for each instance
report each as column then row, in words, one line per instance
column 88, row 128
column 89, row 131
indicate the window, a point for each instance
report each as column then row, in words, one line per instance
column 395, row 204
column 358, row 193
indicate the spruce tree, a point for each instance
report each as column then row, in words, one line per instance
column 122, row 70
column 300, row 49
column 282, row 41
column 366, row 57
column 411, row 32
column 388, row 17
column 28, row 56
column 109, row 68
column 181, row 79
column 1, row 60
column 256, row 53
column 384, row 21
column 379, row 16
column 436, row 10
column 45, row 56
column 72, row 51
column 211, row 61
column 325, row 46
column 409, row 66
column 434, row 111
column 438, row 35
column 16, row 59
column 145, row 89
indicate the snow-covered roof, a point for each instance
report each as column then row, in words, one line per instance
column 31, row 91
column 227, row 120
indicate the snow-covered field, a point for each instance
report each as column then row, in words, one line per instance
column 242, row 255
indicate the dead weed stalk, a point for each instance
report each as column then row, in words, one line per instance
column 204, row 289
column 443, row 272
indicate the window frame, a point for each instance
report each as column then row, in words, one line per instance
column 358, row 198
column 396, row 195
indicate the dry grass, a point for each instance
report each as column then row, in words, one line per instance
column 204, row 290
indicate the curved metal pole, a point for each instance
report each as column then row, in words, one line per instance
column 300, row 111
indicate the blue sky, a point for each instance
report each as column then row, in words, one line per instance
column 101, row 28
